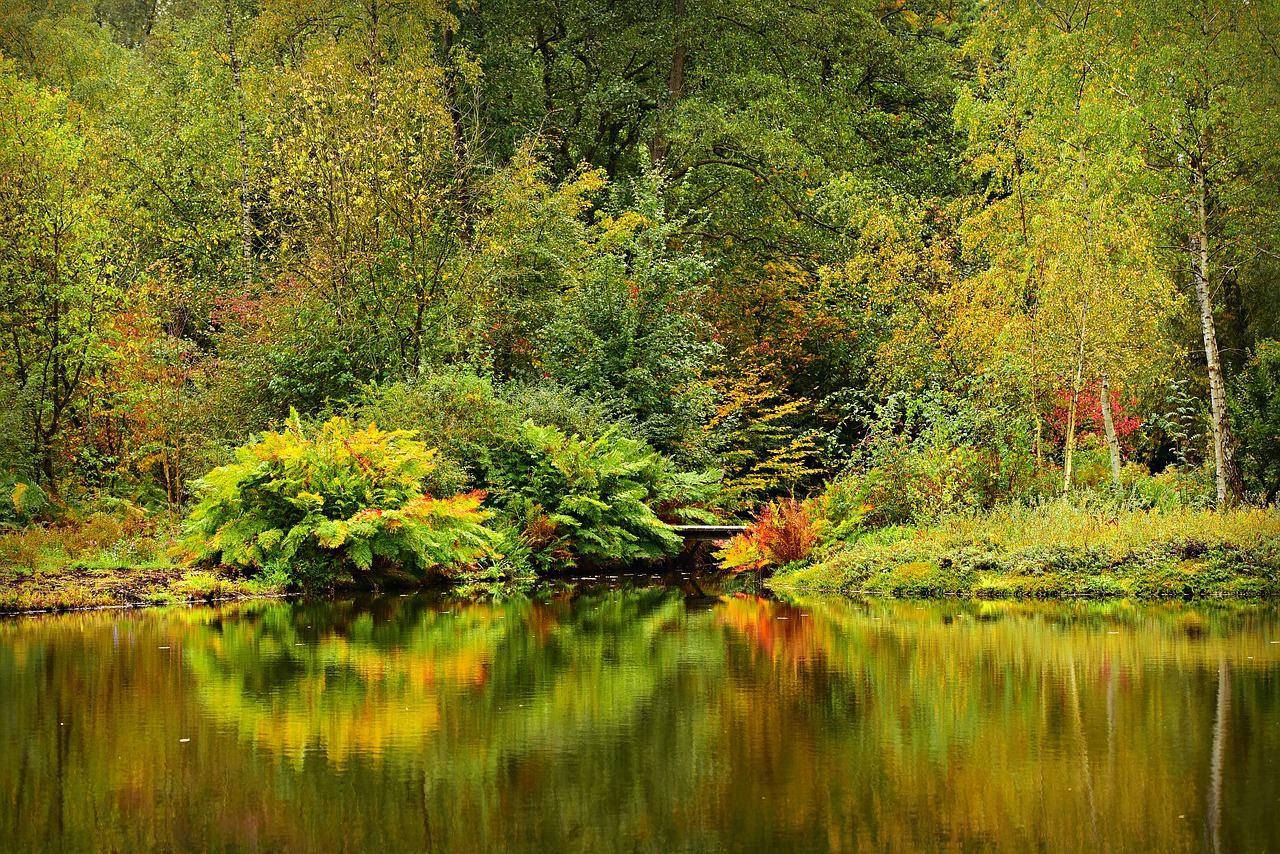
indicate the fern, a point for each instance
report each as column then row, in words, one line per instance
column 322, row 503
column 585, row 500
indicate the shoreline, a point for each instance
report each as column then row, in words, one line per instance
column 1055, row 553
column 139, row 606
column 53, row 604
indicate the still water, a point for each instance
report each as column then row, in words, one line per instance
column 641, row 719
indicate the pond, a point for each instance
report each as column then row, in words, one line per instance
column 621, row 717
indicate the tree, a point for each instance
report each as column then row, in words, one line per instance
column 62, row 263
column 1073, row 224
column 1197, row 84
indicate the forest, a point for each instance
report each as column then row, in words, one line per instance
column 296, row 291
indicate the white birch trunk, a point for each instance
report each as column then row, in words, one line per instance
column 1109, row 428
column 1230, row 486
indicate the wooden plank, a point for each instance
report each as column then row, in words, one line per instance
column 709, row 533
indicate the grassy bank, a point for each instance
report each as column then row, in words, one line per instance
column 1051, row 552
column 106, row 561
column 1055, row 551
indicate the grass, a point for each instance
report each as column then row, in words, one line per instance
column 106, row 561
column 1056, row 551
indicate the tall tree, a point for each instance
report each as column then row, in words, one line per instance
column 242, row 135
column 61, row 264
column 1197, row 81
column 1180, row 86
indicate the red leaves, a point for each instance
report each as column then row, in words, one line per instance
column 1089, row 414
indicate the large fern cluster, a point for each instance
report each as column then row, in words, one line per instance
column 314, row 503
column 583, row 499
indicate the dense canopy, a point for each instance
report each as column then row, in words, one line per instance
column 1004, row 249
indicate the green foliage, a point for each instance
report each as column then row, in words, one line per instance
column 579, row 499
column 62, row 263
column 936, row 452
column 1256, row 417
column 842, row 507
column 629, row 332
column 456, row 411
column 555, row 405
column 882, row 238
column 21, row 500
column 320, row 503
column 488, row 434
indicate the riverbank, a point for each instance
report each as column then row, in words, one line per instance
column 80, row 587
column 1055, row 551
column 1051, row 552
column 107, row 562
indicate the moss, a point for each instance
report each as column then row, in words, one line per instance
column 75, row 587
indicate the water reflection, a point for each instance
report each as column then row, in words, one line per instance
column 642, row 719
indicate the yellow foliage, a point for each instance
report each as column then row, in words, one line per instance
column 759, row 452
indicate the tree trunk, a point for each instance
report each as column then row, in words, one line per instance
column 457, row 132
column 1109, row 427
column 1230, row 485
column 661, row 146
column 1069, row 448
column 246, row 222
column 375, row 65
column 1035, row 387
column 371, row 129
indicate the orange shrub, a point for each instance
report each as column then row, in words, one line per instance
column 784, row 531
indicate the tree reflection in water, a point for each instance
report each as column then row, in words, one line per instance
column 644, row 720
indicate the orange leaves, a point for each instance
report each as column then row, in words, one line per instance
column 784, row 532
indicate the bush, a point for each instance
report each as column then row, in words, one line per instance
column 21, row 500
column 574, row 498
column 554, row 405
column 785, row 531
column 530, row 444
column 317, row 504
column 842, row 507
column 1256, row 418
column 456, row 411
column 627, row 331
column 466, row 415
column 935, row 453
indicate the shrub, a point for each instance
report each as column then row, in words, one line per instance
column 456, row 411
column 784, row 532
column 842, row 507
column 574, row 498
column 628, row 333
column 551, row 404
column 934, row 453
column 1256, row 419
column 466, row 415
column 21, row 500
column 320, row 503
